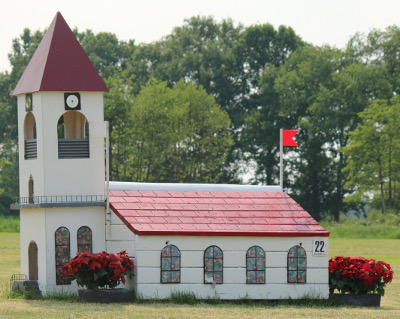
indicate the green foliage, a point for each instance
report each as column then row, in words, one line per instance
column 200, row 51
column 106, row 52
column 176, row 135
column 373, row 150
column 117, row 105
column 264, row 78
column 9, row 224
column 305, row 86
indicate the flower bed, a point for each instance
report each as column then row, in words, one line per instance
column 100, row 270
column 357, row 275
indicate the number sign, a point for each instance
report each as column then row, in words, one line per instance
column 320, row 248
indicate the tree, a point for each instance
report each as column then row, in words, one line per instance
column 108, row 54
column 200, row 51
column 117, row 109
column 177, row 135
column 319, row 90
column 373, row 153
column 379, row 48
column 261, row 47
column 288, row 93
column 260, row 135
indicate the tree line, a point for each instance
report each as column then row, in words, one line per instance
column 205, row 103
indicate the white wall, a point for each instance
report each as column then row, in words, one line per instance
column 55, row 176
column 147, row 250
column 32, row 228
column 120, row 237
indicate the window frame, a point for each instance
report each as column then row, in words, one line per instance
column 259, row 264
column 297, row 265
column 62, row 256
column 79, row 239
column 214, row 272
column 174, row 261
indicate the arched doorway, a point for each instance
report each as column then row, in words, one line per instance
column 33, row 260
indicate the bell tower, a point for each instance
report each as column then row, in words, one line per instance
column 61, row 132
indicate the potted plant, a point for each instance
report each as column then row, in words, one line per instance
column 100, row 273
column 359, row 281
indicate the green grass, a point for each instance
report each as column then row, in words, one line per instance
column 186, row 306
column 374, row 226
column 362, row 231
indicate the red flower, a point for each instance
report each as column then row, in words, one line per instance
column 99, row 270
column 358, row 275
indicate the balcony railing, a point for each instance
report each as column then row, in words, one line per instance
column 73, row 148
column 30, row 149
column 59, row 201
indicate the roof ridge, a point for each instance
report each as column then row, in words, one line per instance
column 182, row 187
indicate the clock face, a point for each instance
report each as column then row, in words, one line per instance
column 72, row 101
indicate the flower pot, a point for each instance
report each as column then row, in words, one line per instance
column 105, row 295
column 361, row 300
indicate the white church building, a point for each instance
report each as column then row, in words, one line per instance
column 230, row 241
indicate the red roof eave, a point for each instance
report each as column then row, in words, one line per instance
column 232, row 233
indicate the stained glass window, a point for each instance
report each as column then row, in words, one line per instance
column 297, row 265
column 62, row 254
column 85, row 239
column 213, row 265
column 255, row 265
column 170, row 265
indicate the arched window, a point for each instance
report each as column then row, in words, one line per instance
column 255, row 265
column 85, row 239
column 297, row 265
column 73, row 135
column 62, row 254
column 170, row 265
column 213, row 265
column 30, row 136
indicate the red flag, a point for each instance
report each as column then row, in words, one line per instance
column 287, row 138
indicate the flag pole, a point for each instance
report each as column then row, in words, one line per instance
column 281, row 158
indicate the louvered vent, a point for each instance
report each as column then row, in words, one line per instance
column 73, row 148
column 30, row 149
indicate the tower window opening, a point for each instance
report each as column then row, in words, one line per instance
column 30, row 136
column 73, row 136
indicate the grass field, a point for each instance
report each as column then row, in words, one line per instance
column 384, row 249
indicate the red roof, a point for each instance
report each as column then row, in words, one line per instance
column 59, row 64
column 213, row 213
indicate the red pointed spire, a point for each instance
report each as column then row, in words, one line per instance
column 60, row 64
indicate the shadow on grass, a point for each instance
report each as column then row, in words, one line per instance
column 29, row 295
column 179, row 298
column 189, row 298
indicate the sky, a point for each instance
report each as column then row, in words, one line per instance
column 319, row 22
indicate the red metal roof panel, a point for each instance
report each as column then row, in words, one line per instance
column 213, row 213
